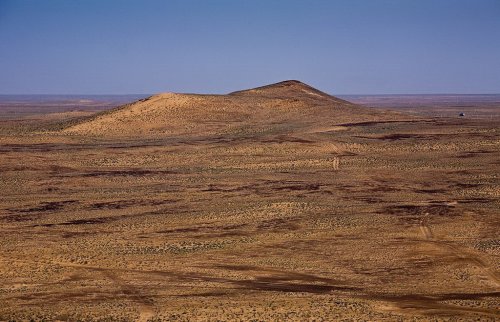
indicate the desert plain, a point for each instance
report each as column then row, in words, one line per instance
column 279, row 203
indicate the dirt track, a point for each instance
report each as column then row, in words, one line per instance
column 461, row 254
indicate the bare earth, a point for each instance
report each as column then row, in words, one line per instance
column 277, row 203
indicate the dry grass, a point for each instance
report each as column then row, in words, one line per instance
column 308, row 219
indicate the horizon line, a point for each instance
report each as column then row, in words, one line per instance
column 336, row 94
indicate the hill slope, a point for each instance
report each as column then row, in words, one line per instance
column 276, row 108
column 290, row 88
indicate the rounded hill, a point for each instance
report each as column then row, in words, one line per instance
column 277, row 108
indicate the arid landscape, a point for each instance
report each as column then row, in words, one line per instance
column 278, row 203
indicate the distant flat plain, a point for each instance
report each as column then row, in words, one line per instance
column 476, row 105
column 434, row 105
column 361, row 221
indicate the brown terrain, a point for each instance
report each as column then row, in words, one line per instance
column 277, row 203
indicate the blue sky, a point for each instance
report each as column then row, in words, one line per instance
column 217, row 46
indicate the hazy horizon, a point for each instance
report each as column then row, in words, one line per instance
column 353, row 47
column 335, row 94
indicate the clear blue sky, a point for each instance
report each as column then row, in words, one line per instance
column 217, row 46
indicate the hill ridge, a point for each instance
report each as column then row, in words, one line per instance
column 280, row 107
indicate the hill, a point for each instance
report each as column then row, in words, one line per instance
column 276, row 108
column 290, row 88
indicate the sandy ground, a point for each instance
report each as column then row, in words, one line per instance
column 382, row 220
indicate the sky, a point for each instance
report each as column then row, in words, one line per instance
column 218, row 46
